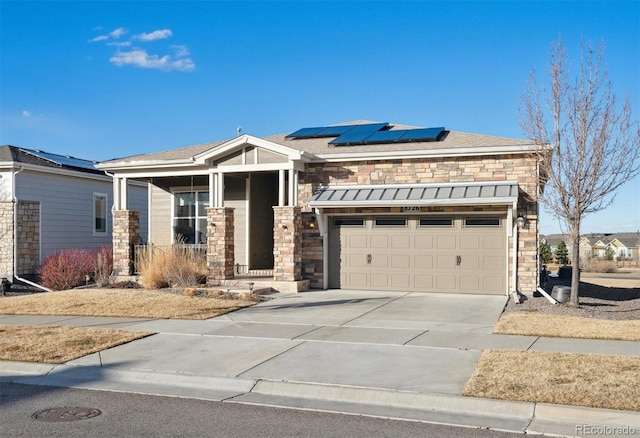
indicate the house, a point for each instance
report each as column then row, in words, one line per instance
column 624, row 246
column 554, row 240
column 356, row 205
column 51, row 202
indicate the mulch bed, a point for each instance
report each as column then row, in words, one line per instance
column 595, row 302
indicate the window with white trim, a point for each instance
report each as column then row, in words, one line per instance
column 99, row 213
column 190, row 217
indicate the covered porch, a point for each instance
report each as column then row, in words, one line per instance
column 237, row 202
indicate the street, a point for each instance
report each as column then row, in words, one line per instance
column 134, row 415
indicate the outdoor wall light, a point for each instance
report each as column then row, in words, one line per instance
column 284, row 227
column 520, row 222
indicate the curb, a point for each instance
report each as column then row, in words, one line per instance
column 505, row 415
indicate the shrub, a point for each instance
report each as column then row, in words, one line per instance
column 67, row 269
column 103, row 266
column 600, row 266
column 177, row 266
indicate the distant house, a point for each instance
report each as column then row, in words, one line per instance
column 355, row 205
column 624, row 245
column 554, row 240
column 620, row 245
column 51, row 202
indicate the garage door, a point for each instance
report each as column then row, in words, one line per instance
column 430, row 254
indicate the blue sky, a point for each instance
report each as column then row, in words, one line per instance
column 108, row 79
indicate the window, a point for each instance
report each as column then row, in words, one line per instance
column 482, row 222
column 348, row 222
column 446, row 222
column 391, row 222
column 99, row 213
column 190, row 217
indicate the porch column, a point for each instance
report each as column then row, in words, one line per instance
column 126, row 234
column 281, row 188
column 287, row 243
column 124, row 195
column 220, row 248
column 293, row 188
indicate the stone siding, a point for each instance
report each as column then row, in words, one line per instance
column 287, row 243
column 520, row 168
column 126, row 234
column 28, row 257
column 220, row 246
column 6, row 231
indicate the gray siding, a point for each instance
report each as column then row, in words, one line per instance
column 160, row 216
column 66, row 209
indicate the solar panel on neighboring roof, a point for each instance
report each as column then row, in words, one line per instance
column 63, row 160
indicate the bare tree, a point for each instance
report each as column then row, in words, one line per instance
column 587, row 145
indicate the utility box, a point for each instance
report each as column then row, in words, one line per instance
column 561, row 293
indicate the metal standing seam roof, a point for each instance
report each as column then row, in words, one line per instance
column 503, row 192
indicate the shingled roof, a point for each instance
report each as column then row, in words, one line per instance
column 17, row 154
column 320, row 147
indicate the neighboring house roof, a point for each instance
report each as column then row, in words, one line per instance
column 15, row 154
column 453, row 143
column 554, row 239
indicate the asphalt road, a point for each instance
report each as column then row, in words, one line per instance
column 134, row 415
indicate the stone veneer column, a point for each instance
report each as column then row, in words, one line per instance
column 528, row 257
column 287, row 243
column 28, row 223
column 126, row 234
column 6, row 231
column 220, row 246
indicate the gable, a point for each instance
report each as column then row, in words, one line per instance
column 249, row 154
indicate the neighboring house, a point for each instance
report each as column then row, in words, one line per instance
column 625, row 245
column 360, row 205
column 555, row 239
column 50, row 202
column 621, row 245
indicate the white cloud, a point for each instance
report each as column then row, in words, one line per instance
column 181, row 50
column 160, row 34
column 99, row 38
column 140, row 58
column 26, row 113
column 117, row 33
column 120, row 44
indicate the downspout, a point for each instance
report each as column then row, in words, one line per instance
column 322, row 229
column 15, row 236
column 514, row 272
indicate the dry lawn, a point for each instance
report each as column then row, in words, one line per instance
column 563, row 326
column 126, row 303
column 601, row 381
column 58, row 344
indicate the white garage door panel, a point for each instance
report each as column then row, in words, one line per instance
column 418, row 258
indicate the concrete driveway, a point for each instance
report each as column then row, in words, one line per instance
column 416, row 342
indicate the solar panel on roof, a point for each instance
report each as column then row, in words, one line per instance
column 63, row 160
column 426, row 134
column 390, row 136
column 334, row 131
column 305, row 132
column 369, row 127
column 351, row 138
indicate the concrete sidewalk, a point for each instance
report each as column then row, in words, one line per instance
column 372, row 353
